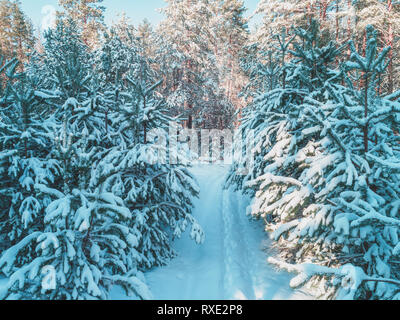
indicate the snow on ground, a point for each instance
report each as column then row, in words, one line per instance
column 231, row 264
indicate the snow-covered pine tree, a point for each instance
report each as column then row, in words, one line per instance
column 88, row 15
column 5, row 201
column 86, row 246
column 170, row 64
column 116, row 56
column 262, row 69
column 353, row 222
column 25, row 139
column 16, row 32
column 159, row 194
column 208, row 37
column 274, row 117
column 328, row 184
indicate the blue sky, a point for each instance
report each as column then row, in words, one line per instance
column 137, row 10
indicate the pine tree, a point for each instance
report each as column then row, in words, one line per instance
column 22, row 32
column 145, row 35
column 340, row 20
column 326, row 184
column 157, row 193
column 16, row 31
column 5, row 28
column 275, row 115
column 184, row 21
column 89, row 202
column 232, row 35
column 208, row 37
column 87, row 15
column 85, row 241
column 25, row 140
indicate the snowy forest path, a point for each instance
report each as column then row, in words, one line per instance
column 231, row 263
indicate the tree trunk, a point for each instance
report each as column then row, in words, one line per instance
column 145, row 133
column 366, row 113
column 349, row 26
column 190, row 121
column 337, row 22
column 390, row 43
column 145, row 123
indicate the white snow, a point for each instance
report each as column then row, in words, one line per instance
column 3, row 282
column 232, row 262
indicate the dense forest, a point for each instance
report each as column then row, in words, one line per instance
column 85, row 205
